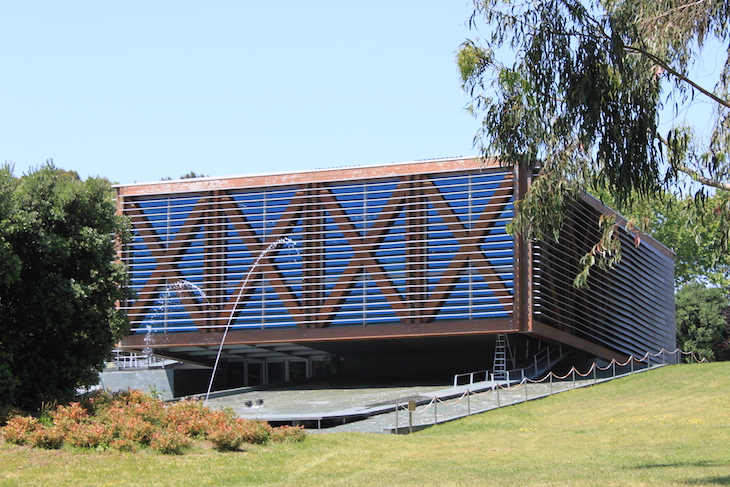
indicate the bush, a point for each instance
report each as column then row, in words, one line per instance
column 288, row 434
column 68, row 417
column 89, row 435
column 19, row 429
column 169, row 441
column 137, row 403
column 190, row 417
column 123, row 445
column 225, row 436
column 131, row 419
column 127, row 426
column 254, row 432
column 49, row 437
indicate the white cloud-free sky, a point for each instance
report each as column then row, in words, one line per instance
column 141, row 90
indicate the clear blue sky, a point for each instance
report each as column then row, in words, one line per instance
column 141, row 90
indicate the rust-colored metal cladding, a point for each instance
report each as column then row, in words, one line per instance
column 396, row 260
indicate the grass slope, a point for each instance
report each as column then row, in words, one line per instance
column 669, row 426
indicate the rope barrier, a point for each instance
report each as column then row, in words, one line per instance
column 496, row 388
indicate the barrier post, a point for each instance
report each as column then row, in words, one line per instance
column 551, row 382
column 631, row 359
column 573, row 372
column 525, row 384
column 594, row 373
column 613, row 366
column 435, row 414
column 396, row 415
column 498, row 388
column 411, row 408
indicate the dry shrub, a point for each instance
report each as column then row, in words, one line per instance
column 288, row 434
column 93, row 434
column 131, row 419
column 190, row 417
column 48, row 437
column 67, row 417
column 169, row 441
column 19, row 429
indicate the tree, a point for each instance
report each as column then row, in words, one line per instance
column 580, row 104
column 695, row 243
column 702, row 321
column 190, row 175
column 59, row 283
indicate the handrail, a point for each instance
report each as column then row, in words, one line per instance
column 131, row 360
column 542, row 356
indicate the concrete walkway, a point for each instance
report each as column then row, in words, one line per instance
column 326, row 407
column 372, row 409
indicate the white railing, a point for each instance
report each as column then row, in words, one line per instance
column 131, row 360
column 544, row 358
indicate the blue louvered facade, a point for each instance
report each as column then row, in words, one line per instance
column 344, row 253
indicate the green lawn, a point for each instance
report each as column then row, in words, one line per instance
column 669, row 426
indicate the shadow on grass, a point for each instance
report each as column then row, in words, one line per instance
column 680, row 465
column 699, row 481
column 710, row 481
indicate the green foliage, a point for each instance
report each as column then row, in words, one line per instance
column 702, row 321
column 695, row 236
column 58, row 284
column 190, row 175
column 169, row 441
column 576, row 99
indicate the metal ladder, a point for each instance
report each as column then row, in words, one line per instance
column 499, row 369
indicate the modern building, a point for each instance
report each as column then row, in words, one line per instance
column 398, row 270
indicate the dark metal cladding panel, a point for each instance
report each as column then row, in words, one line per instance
column 629, row 309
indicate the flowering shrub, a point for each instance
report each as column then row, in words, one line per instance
column 89, row 435
column 49, row 437
column 67, row 417
column 137, row 403
column 254, row 432
column 129, row 420
column 123, row 445
column 190, row 416
column 288, row 434
column 19, row 429
column 128, row 426
column 169, row 441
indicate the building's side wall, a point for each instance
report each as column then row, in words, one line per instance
column 414, row 248
column 629, row 309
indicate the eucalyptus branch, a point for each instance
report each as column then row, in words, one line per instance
column 673, row 10
column 601, row 33
column 702, row 179
column 695, row 175
column 661, row 63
